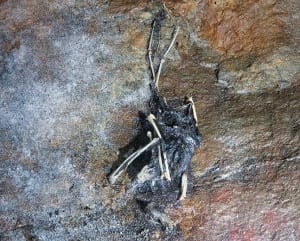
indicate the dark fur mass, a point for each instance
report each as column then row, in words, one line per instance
column 180, row 135
column 163, row 157
column 180, row 139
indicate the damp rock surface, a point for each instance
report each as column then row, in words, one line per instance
column 73, row 78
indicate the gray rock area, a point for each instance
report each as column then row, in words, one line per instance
column 73, row 78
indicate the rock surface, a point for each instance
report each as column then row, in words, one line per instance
column 73, row 78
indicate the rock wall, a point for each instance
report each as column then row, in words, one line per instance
column 74, row 76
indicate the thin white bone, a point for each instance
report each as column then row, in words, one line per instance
column 167, row 172
column 184, row 183
column 159, row 71
column 164, row 56
column 165, row 100
column 149, row 135
column 150, row 52
column 194, row 110
column 173, row 41
column 160, row 162
column 113, row 177
column 151, row 118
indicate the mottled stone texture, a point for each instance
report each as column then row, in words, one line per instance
column 73, row 76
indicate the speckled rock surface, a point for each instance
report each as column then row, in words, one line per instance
column 73, row 77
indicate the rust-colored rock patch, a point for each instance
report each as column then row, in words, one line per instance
column 189, row 217
column 236, row 28
column 241, row 27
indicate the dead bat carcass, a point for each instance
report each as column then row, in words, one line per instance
column 173, row 135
